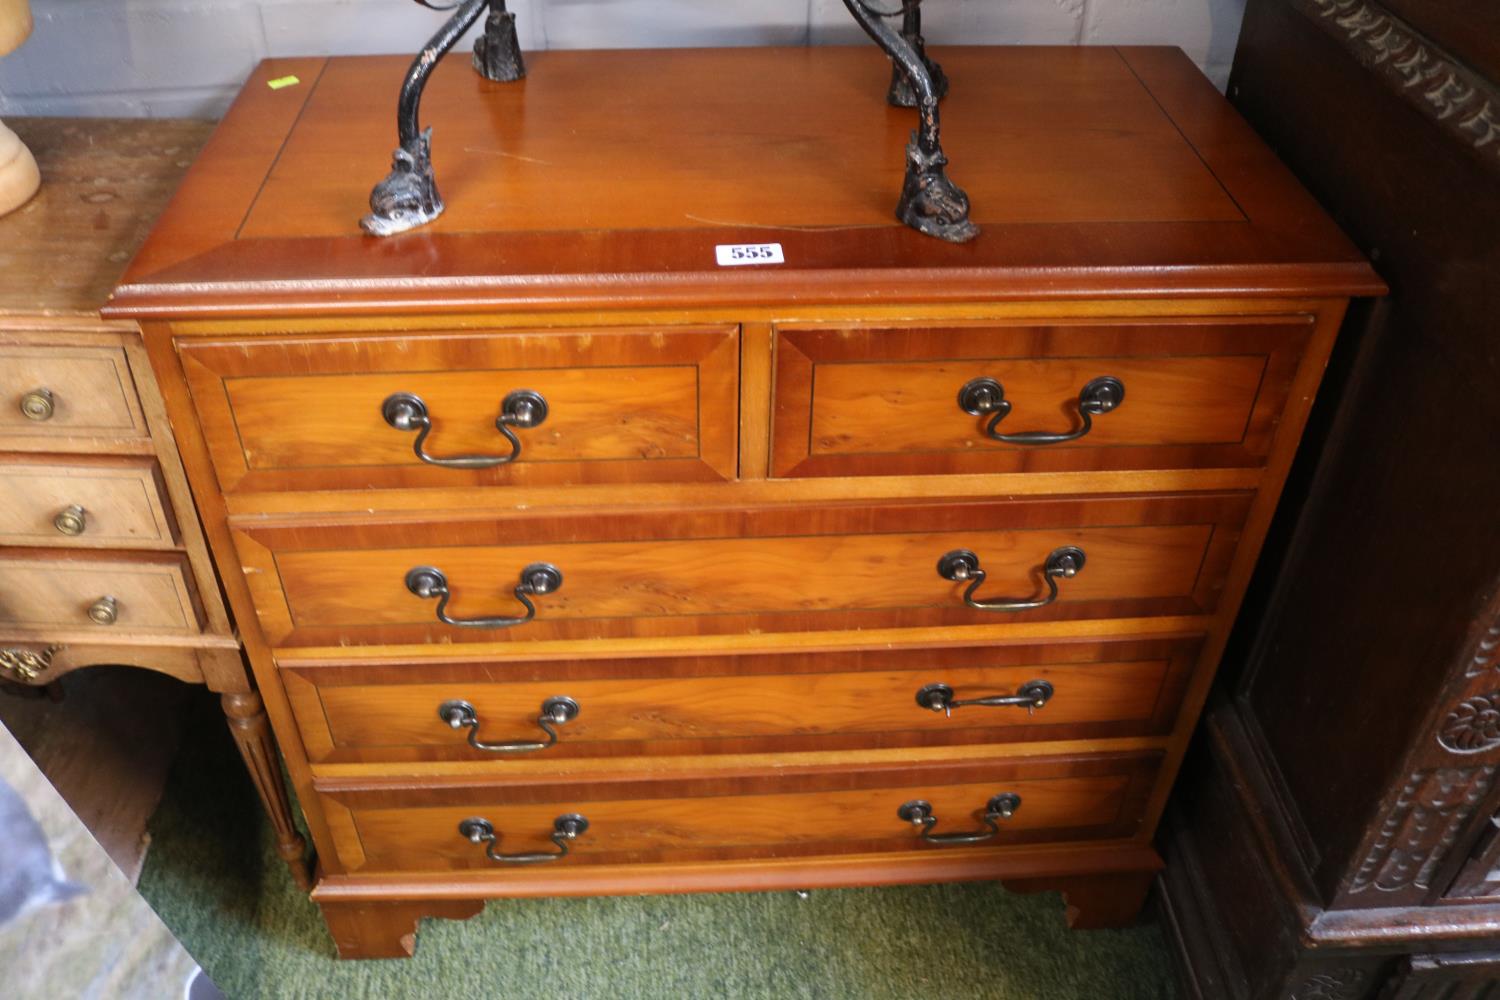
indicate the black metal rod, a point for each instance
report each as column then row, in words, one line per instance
column 911, row 17
column 898, row 47
column 410, row 101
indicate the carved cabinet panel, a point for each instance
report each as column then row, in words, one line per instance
column 1353, row 753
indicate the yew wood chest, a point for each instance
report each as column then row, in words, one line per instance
column 571, row 561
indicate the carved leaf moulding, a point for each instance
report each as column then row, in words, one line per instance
column 1442, row 88
column 26, row 666
column 1421, row 828
column 1472, row 725
column 1486, row 652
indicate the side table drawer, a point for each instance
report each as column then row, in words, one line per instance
column 1168, row 394
column 61, row 391
column 789, row 812
column 616, row 405
column 82, row 502
column 149, row 593
column 737, row 704
column 693, row 572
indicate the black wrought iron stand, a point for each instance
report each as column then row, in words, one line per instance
column 930, row 202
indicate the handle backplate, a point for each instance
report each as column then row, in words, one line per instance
column 940, row 698
column 537, row 578
column 985, row 396
column 565, row 829
column 556, row 711
column 522, row 408
column 918, row 812
column 962, row 565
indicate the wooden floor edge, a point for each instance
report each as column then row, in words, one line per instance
column 852, row 871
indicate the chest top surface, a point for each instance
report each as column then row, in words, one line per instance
column 606, row 179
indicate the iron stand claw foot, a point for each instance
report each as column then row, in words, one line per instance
column 408, row 197
column 930, row 202
column 497, row 52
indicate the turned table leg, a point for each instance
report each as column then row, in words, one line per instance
column 252, row 735
column 1094, row 901
column 387, row 929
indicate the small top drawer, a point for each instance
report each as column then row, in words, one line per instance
column 148, row 593
column 548, row 407
column 84, row 502
column 62, row 391
column 1005, row 398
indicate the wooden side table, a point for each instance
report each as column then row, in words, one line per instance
column 102, row 560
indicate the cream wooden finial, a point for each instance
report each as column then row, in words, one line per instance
column 19, row 177
column 15, row 24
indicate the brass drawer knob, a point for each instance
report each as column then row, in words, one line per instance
column 522, row 408
column 104, row 611
column 556, row 711
column 1031, row 696
column 565, row 829
column 983, row 396
column 919, row 814
column 38, row 404
column 961, row 566
column 71, row 520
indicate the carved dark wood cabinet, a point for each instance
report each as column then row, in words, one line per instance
column 1336, row 833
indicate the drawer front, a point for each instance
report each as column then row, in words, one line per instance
column 83, row 503
column 739, row 704
column 782, row 814
column 62, row 391
column 147, row 594
column 694, row 572
column 887, row 401
column 638, row 405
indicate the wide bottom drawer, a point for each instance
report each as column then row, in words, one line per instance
column 936, row 805
column 528, row 708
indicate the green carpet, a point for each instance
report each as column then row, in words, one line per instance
column 213, row 875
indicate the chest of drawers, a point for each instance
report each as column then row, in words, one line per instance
column 572, row 562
